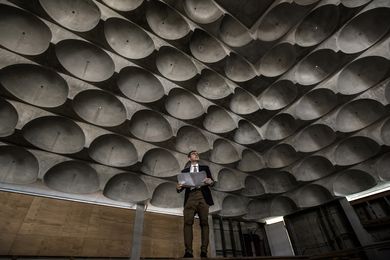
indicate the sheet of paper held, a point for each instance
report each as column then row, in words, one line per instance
column 192, row 179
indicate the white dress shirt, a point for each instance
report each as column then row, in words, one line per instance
column 192, row 169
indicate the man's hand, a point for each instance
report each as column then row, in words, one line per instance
column 208, row 181
column 179, row 186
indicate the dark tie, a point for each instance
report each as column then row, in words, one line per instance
column 195, row 168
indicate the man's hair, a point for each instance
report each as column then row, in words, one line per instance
column 189, row 154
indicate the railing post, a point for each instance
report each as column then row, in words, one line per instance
column 137, row 232
column 212, row 237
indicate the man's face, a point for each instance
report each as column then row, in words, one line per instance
column 194, row 157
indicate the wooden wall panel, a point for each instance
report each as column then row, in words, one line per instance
column 13, row 210
column 31, row 225
column 163, row 236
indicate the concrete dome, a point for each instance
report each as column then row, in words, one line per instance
column 165, row 21
column 39, row 86
column 113, row 150
column 126, row 187
column 8, row 117
column 19, row 166
column 364, row 30
column 127, row 39
column 76, row 15
column 84, row 60
column 72, row 177
column 19, row 28
column 55, row 134
column 123, row 5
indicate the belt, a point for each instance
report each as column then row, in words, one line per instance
column 195, row 189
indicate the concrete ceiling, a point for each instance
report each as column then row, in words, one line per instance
column 287, row 101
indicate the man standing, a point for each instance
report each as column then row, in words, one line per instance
column 196, row 200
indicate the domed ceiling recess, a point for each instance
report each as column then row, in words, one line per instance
column 286, row 101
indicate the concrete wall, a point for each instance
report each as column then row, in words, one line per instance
column 278, row 239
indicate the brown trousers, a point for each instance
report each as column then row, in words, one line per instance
column 196, row 204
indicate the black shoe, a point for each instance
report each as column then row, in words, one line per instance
column 188, row 255
column 203, row 254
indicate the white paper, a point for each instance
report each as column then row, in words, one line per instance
column 192, row 179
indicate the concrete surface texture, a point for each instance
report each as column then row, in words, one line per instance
column 286, row 101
